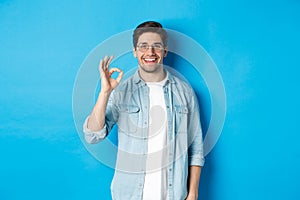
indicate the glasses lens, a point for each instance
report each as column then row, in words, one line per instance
column 145, row 47
column 157, row 47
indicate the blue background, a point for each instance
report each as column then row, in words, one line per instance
column 255, row 45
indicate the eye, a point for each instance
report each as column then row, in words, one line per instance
column 158, row 46
column 144, row 46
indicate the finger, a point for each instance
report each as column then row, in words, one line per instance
column 112, row 70
column 103, row 63
column 105, row 59
column 118, row 79
column 101, row 70
column 109, row 61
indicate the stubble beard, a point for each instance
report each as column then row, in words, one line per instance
column 151, row 70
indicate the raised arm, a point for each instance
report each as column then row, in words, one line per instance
column 108, row 84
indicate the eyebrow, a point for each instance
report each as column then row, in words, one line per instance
column 153, row 43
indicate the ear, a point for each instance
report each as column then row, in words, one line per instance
column 165, row 51
column 134, row 52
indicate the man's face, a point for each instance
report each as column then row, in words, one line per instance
column 150, row 52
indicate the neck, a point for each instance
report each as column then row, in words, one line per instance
column 156, row 76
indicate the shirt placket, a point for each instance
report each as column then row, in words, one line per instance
column 171, row 137
column 144, row 104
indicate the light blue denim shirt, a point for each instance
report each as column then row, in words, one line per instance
column 128, row 107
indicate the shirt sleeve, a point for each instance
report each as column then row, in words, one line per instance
column 93, row 137
column 111, row 116
column 195, row 150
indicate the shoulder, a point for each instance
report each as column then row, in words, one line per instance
column 125, row 84
column 124, row 90
column 181, row 84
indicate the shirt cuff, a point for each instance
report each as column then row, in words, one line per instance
column 196, row 160
column 93, row 137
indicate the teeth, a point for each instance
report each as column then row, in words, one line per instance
column 149, row 59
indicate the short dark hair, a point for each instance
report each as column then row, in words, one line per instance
column 150, row 26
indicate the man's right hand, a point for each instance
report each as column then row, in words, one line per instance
column 108, row 84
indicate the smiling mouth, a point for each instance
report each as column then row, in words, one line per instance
column 150, row 60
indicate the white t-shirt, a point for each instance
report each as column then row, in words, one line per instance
column 155, row 186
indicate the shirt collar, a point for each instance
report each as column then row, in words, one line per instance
column 137, row 79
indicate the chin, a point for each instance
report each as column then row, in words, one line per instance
column 150, row 68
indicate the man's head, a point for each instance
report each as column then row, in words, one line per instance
column 150, row 26
column 150, row 45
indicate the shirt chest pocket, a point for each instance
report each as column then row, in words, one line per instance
column 181, row 118
column 128, row 118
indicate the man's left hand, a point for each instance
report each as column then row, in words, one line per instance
column 191, row 197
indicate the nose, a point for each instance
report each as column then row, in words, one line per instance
column 151, row 48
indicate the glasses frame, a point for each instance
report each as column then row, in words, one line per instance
column 157, row 47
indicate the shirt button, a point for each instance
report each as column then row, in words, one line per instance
column 170, row 185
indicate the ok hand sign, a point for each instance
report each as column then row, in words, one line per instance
column 108, row 84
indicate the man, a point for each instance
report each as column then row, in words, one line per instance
column 160, row 149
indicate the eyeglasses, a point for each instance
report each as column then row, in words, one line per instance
column 144, row 47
